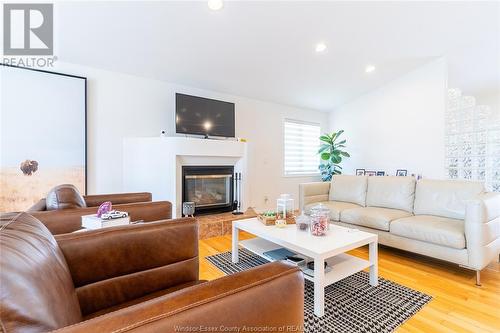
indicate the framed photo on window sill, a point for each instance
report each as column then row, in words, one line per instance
column 401, row 172
column 360, row 172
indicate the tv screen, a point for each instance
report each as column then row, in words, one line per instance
column 203, row 116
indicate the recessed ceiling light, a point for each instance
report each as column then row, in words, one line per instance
column 320, row 47
column 369, row 68
column 215, row 4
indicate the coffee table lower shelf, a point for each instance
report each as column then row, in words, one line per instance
column 343, row 265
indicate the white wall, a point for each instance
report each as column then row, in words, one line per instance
column 399, row 125
column 121, row 105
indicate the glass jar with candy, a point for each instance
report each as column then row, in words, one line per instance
column 320, row 215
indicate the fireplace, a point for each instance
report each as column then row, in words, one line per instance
column 209, row 187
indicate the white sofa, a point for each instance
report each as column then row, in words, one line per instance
column 451, row 220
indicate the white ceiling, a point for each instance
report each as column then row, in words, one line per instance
column 265, row 49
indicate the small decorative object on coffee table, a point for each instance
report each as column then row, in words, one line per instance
column 104, row 208
column 302, row 222
column 285, row 208
column 188, row 208
column 320, row 215
column 280, row 223
column 269, row 218
column 113, row 215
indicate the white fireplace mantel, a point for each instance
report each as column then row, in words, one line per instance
column 155, row 164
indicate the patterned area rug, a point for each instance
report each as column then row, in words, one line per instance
column 351, row 305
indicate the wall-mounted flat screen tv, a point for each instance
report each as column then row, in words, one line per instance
column 203, row 116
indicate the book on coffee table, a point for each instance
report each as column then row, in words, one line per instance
column 91, row 222
column 278, row 254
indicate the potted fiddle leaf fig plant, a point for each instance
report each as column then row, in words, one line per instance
column 332, row 153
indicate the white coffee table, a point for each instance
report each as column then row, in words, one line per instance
column 330, row 248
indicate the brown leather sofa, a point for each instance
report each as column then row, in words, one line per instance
column 135, row 278
column 62, row 209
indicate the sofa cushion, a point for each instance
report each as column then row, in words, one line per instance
column 446, row 198
column 431, row 229
column 372, row 217
column 348, row 189
column 64, row 196
column 336, row 207
column 36, row 289
column 391, row 192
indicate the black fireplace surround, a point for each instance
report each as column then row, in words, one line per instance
column 211, row 188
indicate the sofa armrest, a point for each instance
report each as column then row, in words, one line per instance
column 313, row 192
column 482, row 229
column 40, row 205
column 69, row 220
column 269, row 296
column 115, row 265
column 117, row 199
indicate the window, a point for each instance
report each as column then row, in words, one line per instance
column 301, row 148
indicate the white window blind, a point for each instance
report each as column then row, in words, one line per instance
column 301, row 148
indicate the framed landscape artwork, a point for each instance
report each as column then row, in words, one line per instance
column 42, row 135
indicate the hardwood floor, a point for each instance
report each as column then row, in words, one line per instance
column 457, row 305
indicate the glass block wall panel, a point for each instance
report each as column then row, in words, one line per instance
column 472, row 140
column 493, row 152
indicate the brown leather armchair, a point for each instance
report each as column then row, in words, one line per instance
column 135, row 278
column 62, row 209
